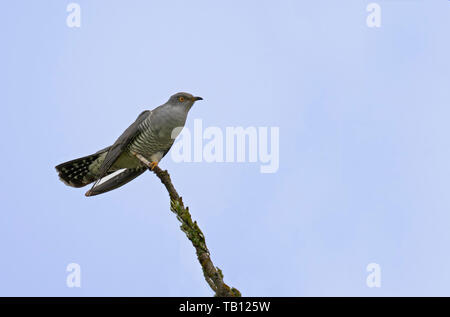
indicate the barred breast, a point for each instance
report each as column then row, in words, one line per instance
column 155, row 137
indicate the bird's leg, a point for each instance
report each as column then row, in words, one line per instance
column 151, row 165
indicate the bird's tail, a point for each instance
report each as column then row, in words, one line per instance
column 76, row 173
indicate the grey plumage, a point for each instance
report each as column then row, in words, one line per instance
column 150, row 136
column 124, row 176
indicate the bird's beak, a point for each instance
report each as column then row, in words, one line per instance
column 197, row 98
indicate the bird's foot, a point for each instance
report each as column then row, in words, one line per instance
column 152, row 165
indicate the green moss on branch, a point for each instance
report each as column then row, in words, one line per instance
column 213, row 275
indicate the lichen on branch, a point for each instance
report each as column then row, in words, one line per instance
column 213, row 275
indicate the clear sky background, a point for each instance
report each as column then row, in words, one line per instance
column 364, row 146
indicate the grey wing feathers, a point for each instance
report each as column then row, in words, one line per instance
column 121, row 178
column 103, row 150
column 122, row 142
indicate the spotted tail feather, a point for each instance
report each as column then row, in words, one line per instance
column 76, row 173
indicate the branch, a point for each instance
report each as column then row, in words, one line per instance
column 213, row 275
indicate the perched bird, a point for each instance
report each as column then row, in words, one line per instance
column 142, row 145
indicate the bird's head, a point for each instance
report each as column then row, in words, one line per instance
column 183, row 99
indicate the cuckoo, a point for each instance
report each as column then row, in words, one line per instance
column 141, row 146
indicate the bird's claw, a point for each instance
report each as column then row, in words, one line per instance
column 152, row 165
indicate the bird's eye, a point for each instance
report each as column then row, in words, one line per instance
column 181, row 99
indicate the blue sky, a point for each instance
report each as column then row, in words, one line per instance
column 364, row 171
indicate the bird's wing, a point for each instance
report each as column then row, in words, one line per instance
column 115, row 180
column 121, row 143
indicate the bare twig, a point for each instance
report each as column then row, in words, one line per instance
column 213, row 275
